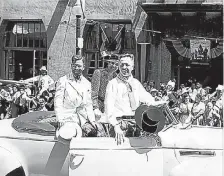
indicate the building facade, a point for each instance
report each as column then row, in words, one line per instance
column 39, row 32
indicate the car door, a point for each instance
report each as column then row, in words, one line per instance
column 197, row 150
column 102, row 156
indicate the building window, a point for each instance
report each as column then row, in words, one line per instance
column 26, row 34
column 25, row 48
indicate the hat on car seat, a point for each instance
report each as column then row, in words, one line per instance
column 150, row 118
column 69, row 130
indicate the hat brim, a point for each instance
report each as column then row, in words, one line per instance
column 111, row 60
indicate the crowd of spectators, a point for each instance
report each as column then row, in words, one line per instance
column 17, row 99
column 191, row 101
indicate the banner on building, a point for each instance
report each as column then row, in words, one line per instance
column 200, row 50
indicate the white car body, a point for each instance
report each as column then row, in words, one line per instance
column 45, row 155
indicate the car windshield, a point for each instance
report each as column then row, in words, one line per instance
column 170, row 118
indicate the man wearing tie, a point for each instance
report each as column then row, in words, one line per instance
column 124, row 94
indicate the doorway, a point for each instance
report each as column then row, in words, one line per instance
column 23, row 64
column 199, row 73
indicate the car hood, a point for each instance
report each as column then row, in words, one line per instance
column 196, row 137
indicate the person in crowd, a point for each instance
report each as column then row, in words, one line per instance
column 124, row 94
column 154, row 92
column 2, row 110
column 218, row 106
column 192, row 91
column 171, row 95
column 181, row 90
column 145, row 85
column 43, row 81
column 5, row 99
column 172, row 83
column 10, row 89
column 41, row 104
column 159, row 96
column 151, row 85
column 49, row 96
column 73, row 101
column 162, row 88
column 199, row 88
column 208, row 115
column 185, row 110
column 23, row 101
column 100, row 79
column 15, row 88
column 206, row 94
column 198, row 110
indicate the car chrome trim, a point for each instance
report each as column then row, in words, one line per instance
column 197, row 153
column 27, row 138
column 133, row 148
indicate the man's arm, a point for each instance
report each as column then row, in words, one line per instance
column 147, row 98
column 59, row 99
column 109, row 103
column 33, row 79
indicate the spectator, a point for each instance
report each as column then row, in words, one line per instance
column 180, row 91
column 208, row 120
column 192, row 91
column 198, row 110
column 44, row 81
column 185, row 110
column 151, row 85
column 41, row 104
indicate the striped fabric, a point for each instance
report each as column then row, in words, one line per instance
column 184, row 1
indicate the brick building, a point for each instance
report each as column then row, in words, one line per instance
column 127, row 26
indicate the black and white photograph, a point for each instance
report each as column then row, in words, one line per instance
column 111, row 87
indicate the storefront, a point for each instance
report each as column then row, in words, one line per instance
column 49, row 28
column 185, row 37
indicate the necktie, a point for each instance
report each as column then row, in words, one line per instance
column 131, row 96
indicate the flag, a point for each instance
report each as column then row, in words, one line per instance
column 104, row 40
column 118, row 39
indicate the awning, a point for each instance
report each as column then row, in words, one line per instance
column 182, row 5
column 166, row 8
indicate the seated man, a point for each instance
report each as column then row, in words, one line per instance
column 124, row 94
column 73, row 99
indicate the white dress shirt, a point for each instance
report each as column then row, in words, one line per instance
column 117, row 102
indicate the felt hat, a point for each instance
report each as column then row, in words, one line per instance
column 69, row 130
column 150, row 118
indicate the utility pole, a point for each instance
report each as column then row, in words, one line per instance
column 78, row 35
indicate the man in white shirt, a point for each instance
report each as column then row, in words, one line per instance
column 44, row 81
column 124, row 94
column 72, row 100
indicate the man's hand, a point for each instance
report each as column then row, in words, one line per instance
column 97, row 113
column 119, row 134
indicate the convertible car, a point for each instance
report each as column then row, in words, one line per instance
column 28, row 147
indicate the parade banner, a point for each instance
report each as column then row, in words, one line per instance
column 200, row 50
